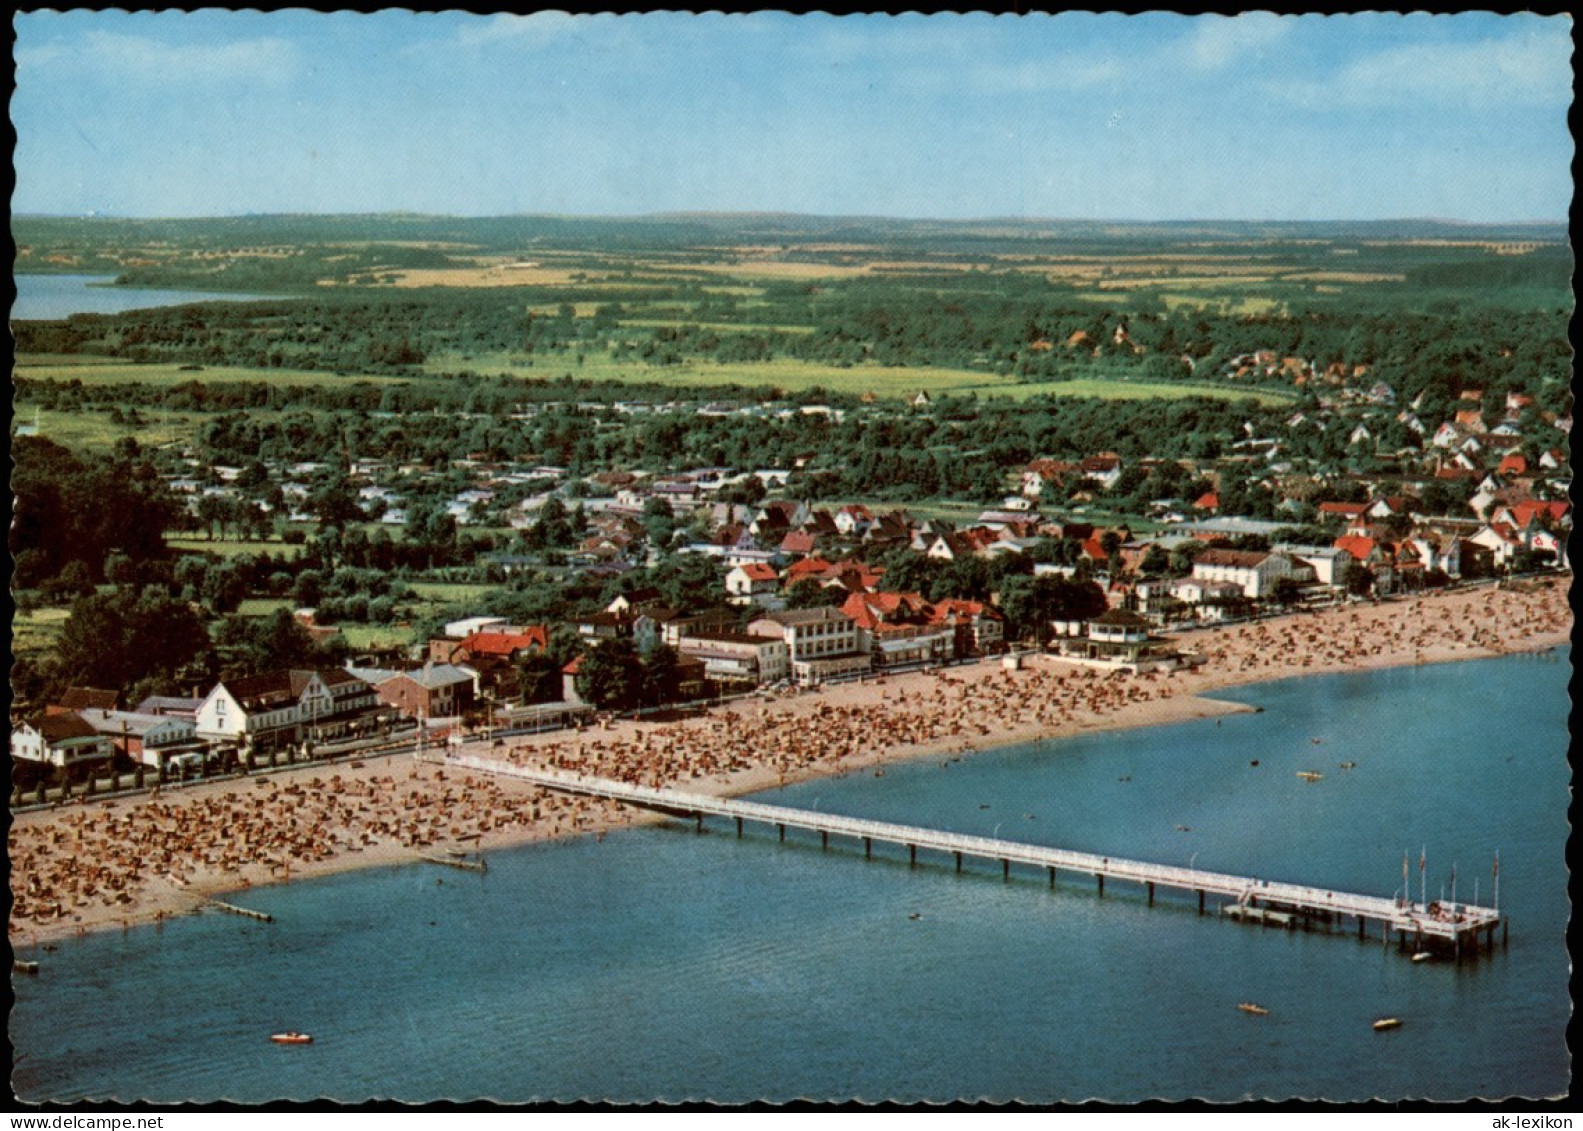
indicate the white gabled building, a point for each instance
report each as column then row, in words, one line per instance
column 1256, row 571
column 286, row 707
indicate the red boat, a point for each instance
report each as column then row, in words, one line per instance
column 292, row 1038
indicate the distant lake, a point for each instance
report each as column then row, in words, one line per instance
column 48, row 297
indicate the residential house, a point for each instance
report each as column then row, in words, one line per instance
column 75, row 699
column 853, row 520
column 1103, row 469
column 172, row 706
column 64, row 744
column 901, row 629
column 152, row 740
column 752, row 583
column 977, row 629
column 434, row 691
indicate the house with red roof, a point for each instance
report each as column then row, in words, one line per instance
column 901, row 629
column 1512, row 464
column 751, row 582
column 1209, row 502
column 799, row 542
column 1343, row 510
column 978, row 629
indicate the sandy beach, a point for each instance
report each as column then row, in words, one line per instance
column 88, row 866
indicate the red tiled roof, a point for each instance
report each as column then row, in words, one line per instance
column 1356, row 545
column 505, row 643
column 758, row 571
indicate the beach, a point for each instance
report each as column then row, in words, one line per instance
column 87, row 866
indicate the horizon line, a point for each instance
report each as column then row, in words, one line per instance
column 682, row 214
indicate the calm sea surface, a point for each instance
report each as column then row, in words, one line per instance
column 659, row 964
column 43, row 297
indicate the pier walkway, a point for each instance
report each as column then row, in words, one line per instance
column 1270, row 902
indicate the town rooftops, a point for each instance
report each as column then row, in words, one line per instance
column 1120, row 618
column 505, row 643
column 799, row 618
column 63, row 728
column 126, row 722
column 432, row 676
column 1235, row 559
column 727, row 638
column 83, row 698
column 168, row 705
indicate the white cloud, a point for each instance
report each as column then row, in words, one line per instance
column 1218, row 41
column 1524, row 69
column 136, row 57
column 527, row 31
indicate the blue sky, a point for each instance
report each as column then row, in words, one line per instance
column 1147, row 117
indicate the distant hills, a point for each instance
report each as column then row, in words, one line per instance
column 676, row 230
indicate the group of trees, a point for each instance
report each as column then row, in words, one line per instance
column 615, row 676
column 75, row 512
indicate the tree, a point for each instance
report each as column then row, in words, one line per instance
column 278, row 641
column 809, row 594
column 541, row 678
column 335, row 504
column 662, row 675
column 660, row 521
column 1286, row 592
column 611, row 676
column 117, row 638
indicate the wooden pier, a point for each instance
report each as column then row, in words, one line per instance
column 246, row 913
column 1452, row 927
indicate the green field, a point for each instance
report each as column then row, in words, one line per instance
column 448, row 593
column 95, row 431
column 229, row 548
column 718, row 327
column 37, row 630
column 263, row 606
column 113, row 371
column 884, row 382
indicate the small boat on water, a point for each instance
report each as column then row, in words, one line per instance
column 1349, row 765
column 1387, row 1023
column 292, row 1037
column 1310, row 775
column 1422, row 956
column 1250, row 1007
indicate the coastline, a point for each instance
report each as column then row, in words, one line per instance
column 391, row 810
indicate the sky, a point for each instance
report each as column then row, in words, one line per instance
column 1070, row 116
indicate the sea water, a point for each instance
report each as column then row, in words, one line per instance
column 661, row 964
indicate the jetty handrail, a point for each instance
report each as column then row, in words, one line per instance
column 1399, row 914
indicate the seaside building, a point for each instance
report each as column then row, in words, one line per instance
column 65, row 744
column 821, row 643
column 286, row 707
column 153, row 740
column 738, row 657
column 1256, row 571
